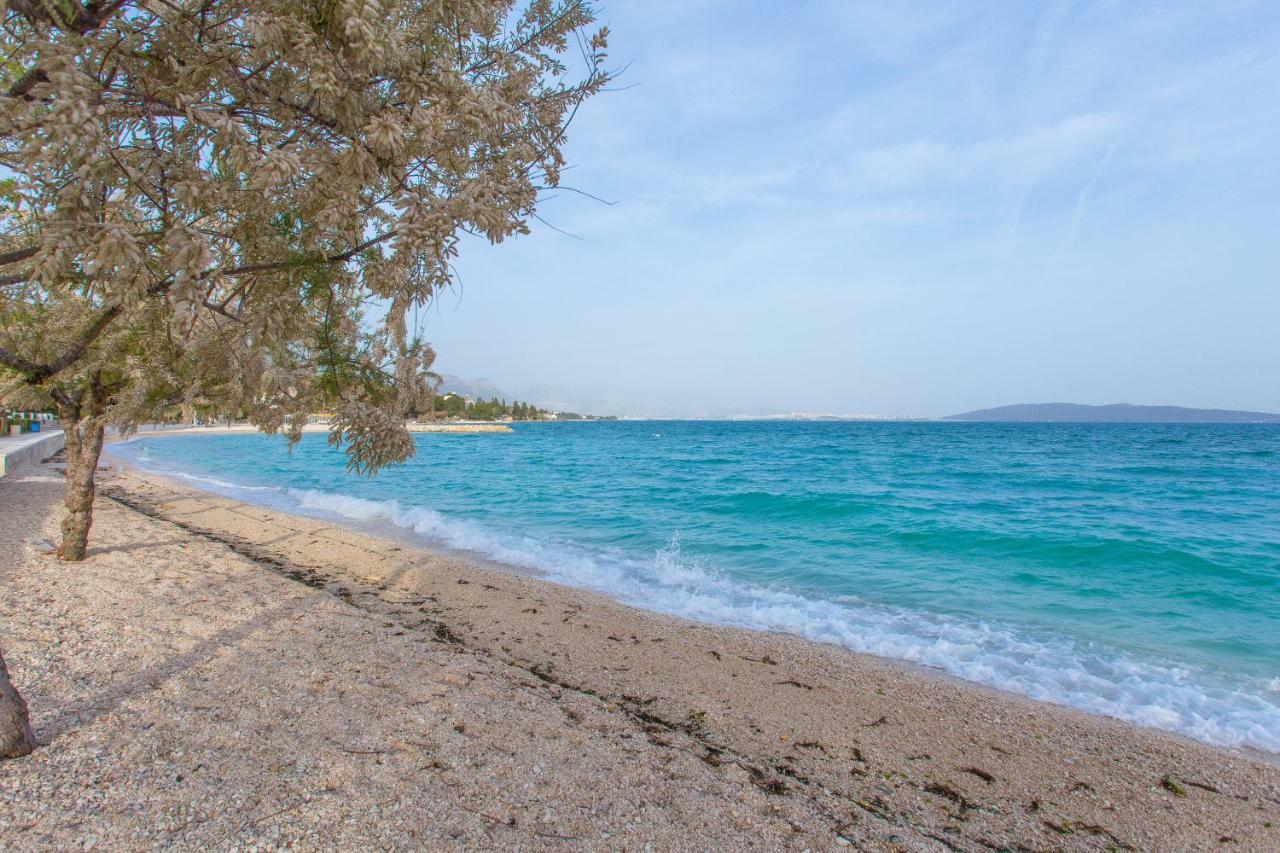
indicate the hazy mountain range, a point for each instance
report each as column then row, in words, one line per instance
column 476, row 389
column 1114, row 413
column 561, row 399
column 550, row 397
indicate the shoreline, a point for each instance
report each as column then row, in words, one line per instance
column 382, row 528
column 379, row 540
column 808, row 715
column 820, row 745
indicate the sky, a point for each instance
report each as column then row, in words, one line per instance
column 900, row 208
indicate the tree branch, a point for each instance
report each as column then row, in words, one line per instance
column 88, row 17
column 267, row 266
column 34, row 374
column 16, row 255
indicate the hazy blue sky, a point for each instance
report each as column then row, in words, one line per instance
column 902, row 208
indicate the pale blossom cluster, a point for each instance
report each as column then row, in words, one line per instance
column 234, row 206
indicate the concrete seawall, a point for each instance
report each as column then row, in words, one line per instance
column 18, row 452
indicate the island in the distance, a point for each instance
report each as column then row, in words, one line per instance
column 1113, row 413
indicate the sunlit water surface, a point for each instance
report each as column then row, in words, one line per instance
column 1131, row 570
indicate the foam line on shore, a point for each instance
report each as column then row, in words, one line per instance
column 1089, row 677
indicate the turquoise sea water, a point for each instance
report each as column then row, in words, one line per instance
column 1131, row 570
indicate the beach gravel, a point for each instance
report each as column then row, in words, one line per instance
column 220, row 676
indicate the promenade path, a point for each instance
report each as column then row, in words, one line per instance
column 20, row 451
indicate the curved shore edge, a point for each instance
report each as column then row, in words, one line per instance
column 229, row 532
column 711, row 727
column 1092, row 678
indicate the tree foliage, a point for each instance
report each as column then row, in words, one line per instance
column 237, row 206
column 456, row 406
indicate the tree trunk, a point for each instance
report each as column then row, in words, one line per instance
column 83, row 447
column 16, row 737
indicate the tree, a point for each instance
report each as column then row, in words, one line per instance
column 428, row 384
column 235, row 205
column 236, row 177
column 16, row 737
column 452, row 405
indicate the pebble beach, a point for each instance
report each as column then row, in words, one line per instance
column 218, row 674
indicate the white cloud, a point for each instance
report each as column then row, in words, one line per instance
column 817, row 173
column 710, row 82
column 1000, row 160
column 1082, row 202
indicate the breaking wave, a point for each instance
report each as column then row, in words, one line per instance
column 1093, row 678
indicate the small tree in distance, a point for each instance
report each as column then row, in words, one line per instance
column 205, row 198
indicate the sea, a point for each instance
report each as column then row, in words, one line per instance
column 1131, row 570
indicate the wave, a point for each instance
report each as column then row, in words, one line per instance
column 777, row 505
column 214, row 482
column 1086, row 676
column 1091, row 678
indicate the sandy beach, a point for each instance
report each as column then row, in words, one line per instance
column 218, row 675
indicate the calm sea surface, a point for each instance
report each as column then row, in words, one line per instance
column 1132, row 570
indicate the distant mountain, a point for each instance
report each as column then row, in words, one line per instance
column 1114, row 413
column 549, row 397
column 476, row 389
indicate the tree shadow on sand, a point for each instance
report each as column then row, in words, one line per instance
column 135, row 546
column 77, row 711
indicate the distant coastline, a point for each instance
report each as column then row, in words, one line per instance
column 1118, row 413
column 1113, row 413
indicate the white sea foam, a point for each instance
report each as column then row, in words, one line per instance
column 1055, row 669
column 1098, row 680
column 220, row 484
column 134, row 450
